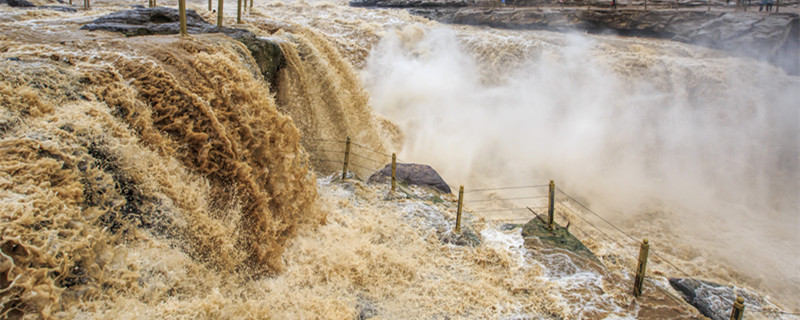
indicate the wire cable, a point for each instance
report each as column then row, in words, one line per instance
column 505, row 199
column 655, row 253
column 325, row 150
column 597, row 215
column 365, row 158
column 370, row 149
column 505, row 188
column 324, row 140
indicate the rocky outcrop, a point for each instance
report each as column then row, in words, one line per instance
column 162, row 20
column 772, row 37
column 412, row 3
column 411, row 174
column 559, row 237
column 713, row 300
column 18, row 3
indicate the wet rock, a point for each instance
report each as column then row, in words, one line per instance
column 771, row 37
column 559, row 237
column 150, row 21
column 366, row 310
column 59, row 8
column 711, row 299
column 162, row 20
column 411, row 174
column 466, row 238
column 411, row 3
column 18, row 3
column 509, row 226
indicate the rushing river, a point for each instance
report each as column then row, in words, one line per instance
column 160, row 177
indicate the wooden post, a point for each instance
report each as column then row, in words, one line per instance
column 644, row 249
column 709, row 6
column 777, row 6
column 239, row 12
column 219, row 12
column 460, row 204
column 182, row 12
column 551, row 205
column 394, row 166
column 251, row 4
column 346, row 157
column 738, row 309
column 86, row 4
column 645, row 4
column 209, row 6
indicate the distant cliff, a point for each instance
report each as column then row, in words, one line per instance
column 772, row 37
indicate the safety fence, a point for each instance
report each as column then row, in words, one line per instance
column 518, row 204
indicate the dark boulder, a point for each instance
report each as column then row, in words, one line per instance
column 162, row 20
column 411, row 174
column 150, row 21
column 714, row 300
column 18, row 3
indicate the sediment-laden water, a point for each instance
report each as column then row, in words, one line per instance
column 162, row 177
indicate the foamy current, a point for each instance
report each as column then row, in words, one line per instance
column 131, row 189
column 690, row 147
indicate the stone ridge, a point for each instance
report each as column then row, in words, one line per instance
column 162, row 20
column 771, row 37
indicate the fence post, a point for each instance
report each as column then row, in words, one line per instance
column 551, row 206
column 738, row 309
column 86, row 4
column 394, row 165
column 709, row 5
column 777, row 6
column 645, row 5
column 251, row 4
column 460, row 203
column 346, row 156
column 182, row 12
column 641, row 269
column 239, row 12
column 219, row 12
column 209, row 6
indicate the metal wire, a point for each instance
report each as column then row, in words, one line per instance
column 497, row 210
column 597, row 215
column 504, row 199
column 655, row 253
column 324, row 140
column 508, row 219
column 326, row 160
column 506, row 188
column 325, row 150
column 370, row 149
column 362, row 167
column 365, row 158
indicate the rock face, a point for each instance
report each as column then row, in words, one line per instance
column 18, row 3
column 711, row 299
column 559, row 237
column 411, row 173
column 162, row 20
column 772, row 37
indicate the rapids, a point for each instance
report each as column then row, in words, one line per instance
column 160, row 177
